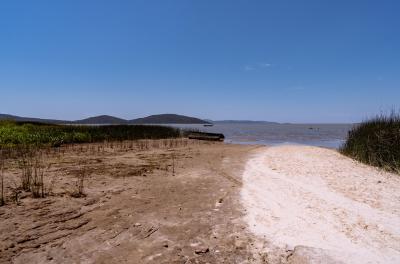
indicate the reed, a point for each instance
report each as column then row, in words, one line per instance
column 17, row 134
column 79, row 184
column 2, row 200
column 376, row 142
column 37, row 187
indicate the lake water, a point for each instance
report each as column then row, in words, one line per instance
column 324, row 135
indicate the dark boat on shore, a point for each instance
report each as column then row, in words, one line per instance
column 206, row 136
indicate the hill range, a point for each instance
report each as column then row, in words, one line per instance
column 106, row 119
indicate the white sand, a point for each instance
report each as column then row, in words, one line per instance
column 315, row 197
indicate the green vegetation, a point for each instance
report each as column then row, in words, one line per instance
column 38, row 134
column 376, row 142
column 32, row 146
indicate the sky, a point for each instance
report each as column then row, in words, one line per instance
column 285, row 61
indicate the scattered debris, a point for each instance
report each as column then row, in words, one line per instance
column 151, row 231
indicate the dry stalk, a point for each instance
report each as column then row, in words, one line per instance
column 2, row 201
column 79, row 184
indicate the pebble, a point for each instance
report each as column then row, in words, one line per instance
column 202, row 251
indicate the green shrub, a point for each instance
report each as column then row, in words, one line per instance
column 79, row 137
column 376, row 142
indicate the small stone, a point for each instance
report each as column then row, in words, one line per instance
column 202, row 251
column 138, row 224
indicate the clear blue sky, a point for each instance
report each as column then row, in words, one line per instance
column 286, row 61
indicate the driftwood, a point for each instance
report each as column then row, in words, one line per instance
column 206, row 136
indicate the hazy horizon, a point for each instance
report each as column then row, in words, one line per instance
column 205, row 119
column 280, row 61
column 131, row 117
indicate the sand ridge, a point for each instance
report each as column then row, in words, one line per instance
column 323, row 204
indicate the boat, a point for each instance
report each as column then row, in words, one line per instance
column 206, row 136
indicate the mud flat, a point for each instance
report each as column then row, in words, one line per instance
column 185, row 201
column 313, row 205
column 145, row 202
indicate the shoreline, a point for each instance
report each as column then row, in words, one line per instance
column 329, row 144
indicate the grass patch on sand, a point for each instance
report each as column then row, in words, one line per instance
column 376, row 142
column 37, row 134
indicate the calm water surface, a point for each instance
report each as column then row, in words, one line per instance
column 325, row 135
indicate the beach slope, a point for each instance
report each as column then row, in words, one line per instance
column 313, row 205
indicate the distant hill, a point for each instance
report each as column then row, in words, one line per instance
column 102, row 119
column 168, row 119
column 106, row 119
column 31, row 119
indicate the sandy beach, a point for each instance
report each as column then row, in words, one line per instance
column 200, row 202
column 313, row 205
column 199, row 132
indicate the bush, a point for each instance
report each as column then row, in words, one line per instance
column 376, row 142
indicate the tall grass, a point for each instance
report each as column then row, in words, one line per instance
column 14, row 134
column 30, row 143
column 376, row 142
column 79, row 184
column 2, row 201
